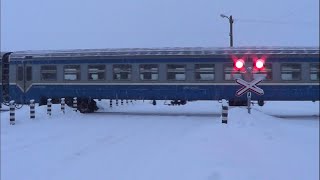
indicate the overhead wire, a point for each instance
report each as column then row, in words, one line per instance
column 267, row 21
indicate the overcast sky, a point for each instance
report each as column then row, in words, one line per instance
column 73, row 24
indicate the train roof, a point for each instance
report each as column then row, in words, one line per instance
column 166, row 51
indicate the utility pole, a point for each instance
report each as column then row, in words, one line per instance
column 231, row 27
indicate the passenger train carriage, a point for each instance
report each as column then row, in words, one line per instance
column 178, row 74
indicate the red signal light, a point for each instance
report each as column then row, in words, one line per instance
column 259, row 63
column 239, row 63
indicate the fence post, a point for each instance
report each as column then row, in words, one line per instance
column 32, row 110
column 49, row 104
column 75, row 104
column 224, row 114
column 63, row 103
column 12, row 113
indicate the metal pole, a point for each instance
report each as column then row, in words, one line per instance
column 12, row 113
column 231, row 31
column 75, row 104
column 249, row 78
column 224, row 114
column 63, row 103
column 249, row 102
column 32, row 110
column 49, row 106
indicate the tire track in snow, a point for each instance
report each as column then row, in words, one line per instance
column 99, row 143
column 25, row 147
column 95, row 146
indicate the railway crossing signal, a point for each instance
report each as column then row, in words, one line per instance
column 259, row 64
column 249, row 86
column 239, row 64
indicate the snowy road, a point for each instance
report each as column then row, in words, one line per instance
column 143, row 142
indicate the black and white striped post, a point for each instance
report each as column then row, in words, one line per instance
column 75, row 104
column 12, row 113
column 111, row 103
column 32, row 110
column 117, row 103
column 49, row 106
column 224, row 115
column 121, row 101
column 63, row 104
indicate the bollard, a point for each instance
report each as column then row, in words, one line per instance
column 75, row 104
column 224, row 115
column 49, row 104
column 121, row 101
column 111, row 103
column 12, row 113
column 63, row 104
column 32, row 110
column 249, row 102
column 117, row 103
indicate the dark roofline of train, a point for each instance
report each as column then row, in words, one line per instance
column 173, row 52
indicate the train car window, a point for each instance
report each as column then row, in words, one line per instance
column 29, row 73
column 72, row 72
column 48, row 73
column 230, row 73
column 149, row 72
column 204, row 72
column 314, row 72
column 176, row 72
column 96, row 72
column 20, row 73
column 265, row 73
column 122, row 71
column 291, row 72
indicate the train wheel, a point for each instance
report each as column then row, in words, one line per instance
column 83, row 106
column 87, row 105
column 260, row 102
column 93, row 106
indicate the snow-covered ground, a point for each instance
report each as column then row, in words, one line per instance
column 138, row 141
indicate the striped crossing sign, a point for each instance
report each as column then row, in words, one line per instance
column 249, row 86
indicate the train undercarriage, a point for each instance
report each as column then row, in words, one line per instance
column 84, row 105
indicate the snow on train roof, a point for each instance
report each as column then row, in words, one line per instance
column 167, row 51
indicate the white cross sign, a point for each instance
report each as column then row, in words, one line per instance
column 249, row 86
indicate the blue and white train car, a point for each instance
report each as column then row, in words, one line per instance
column 178, row 74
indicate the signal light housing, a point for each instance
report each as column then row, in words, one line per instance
column 259, row 64
column 239, row 64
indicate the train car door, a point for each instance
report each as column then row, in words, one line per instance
column 24, row 79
